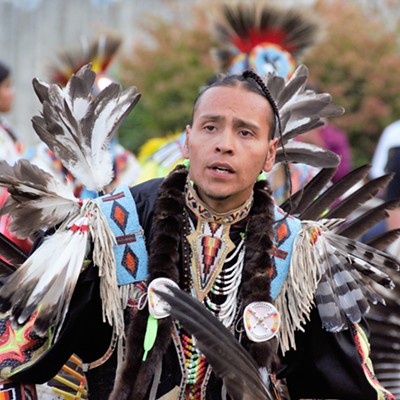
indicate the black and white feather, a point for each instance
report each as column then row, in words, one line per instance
column 35, row 196
column 230, row 361
column 301, row 110
column 78, row 126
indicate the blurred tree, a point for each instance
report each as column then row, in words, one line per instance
column 168, row 70
column 357, row 62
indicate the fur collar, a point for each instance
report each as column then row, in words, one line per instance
column 165, row 261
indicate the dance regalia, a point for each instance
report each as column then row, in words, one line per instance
column 104, row 252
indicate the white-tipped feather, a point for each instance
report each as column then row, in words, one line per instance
column 78, row 127
column 307, row 154
column 46, row 281
column 36, row 195
column 300, row 110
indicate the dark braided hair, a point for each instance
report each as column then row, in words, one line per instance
column 252, row 75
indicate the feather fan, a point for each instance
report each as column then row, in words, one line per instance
column 78, row 127
column 300, row 109
column 230, row 361
column 35, row 196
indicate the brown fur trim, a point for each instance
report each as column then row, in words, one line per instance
column 164, row 261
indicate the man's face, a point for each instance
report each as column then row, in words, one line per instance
column 229, row 145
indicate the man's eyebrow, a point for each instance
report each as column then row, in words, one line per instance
column 212, row 117
column 238, row 122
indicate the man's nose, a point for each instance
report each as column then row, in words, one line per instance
column 226, row 142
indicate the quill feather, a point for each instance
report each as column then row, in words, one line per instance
column 324, row 201
column 307, row 154
column 229, row 359
column 314, row 188
column 367, row 220
column 361, row 196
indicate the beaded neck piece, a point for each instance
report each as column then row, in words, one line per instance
column 201, row 210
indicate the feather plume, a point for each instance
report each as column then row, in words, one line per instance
column 300, row 109
column 307, row 154
column 35, row 196
column 334, row 192
column 368, row 219
column 230, row 361
column 313, row 188
column 99, row 52
column 78, row 127
column 359, row 197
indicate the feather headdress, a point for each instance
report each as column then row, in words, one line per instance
column 78, row 127
column 99, row 52
column 262, row 38
column 300, row 110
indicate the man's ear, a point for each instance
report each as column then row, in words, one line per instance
column 270, row 160
column 185, row 151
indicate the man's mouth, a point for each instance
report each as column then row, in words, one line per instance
column 222, row 170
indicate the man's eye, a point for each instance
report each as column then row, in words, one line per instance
column 209, row 128
column 246, row 133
